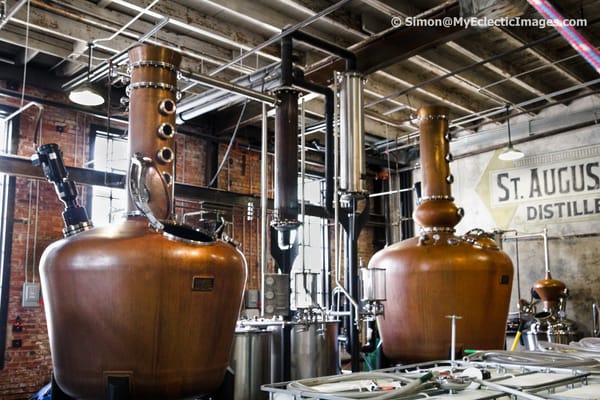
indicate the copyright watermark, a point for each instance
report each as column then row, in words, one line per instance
column 449, row 22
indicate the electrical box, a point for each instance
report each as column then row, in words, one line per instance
column 31, row 295
column 277, row 295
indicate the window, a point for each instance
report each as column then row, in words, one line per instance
column 307, row 276
column 109, row 153
column 8, row 130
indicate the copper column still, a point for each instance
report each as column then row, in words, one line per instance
column 146, row 300
column 439, row 274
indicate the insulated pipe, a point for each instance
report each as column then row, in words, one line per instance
column 286, row 157
column 352, row 168
column 286, row 146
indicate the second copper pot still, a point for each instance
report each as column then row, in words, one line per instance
column 438, row 274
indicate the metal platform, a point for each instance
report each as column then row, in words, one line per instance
column 481, row 376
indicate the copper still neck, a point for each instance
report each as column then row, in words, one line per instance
column 152, row 134
column 436, row 209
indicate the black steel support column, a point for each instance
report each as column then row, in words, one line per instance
column 353, row 220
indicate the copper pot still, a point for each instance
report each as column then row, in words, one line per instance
column 438, row 274
column 146, row 300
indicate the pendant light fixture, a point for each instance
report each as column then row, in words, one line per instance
column 510, row 153
column 85, row 94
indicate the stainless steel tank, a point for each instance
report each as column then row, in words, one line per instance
column 276, row 352
column 145, row 300
column 314, row 350
column 251, row 363
column 439, row 274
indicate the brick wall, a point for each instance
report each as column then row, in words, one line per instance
column 27, row 368
column 36, row 224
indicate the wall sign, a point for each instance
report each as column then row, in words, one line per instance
column 540, row 190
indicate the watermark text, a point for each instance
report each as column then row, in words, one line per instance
column 450, row 22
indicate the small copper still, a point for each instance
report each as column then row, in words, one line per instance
column 550, row 291
column 439, row 274
column 146, row 301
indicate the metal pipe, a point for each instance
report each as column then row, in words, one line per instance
column 124, row 27
column 12, row 12
column 506, row 389
column 279, row 36
column 329, row 145
column 20, row 110
column 546, row 257
column 544, row 235
column 303, row 198
column 460, row 70
column 194, row 28
column 233, row 88
column 159, row 25
column 352, row 279
column 257, row 79
column 263, row 206
column 342, row 290
column 390, row 192
column 458, row 122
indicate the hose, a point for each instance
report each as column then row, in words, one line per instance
column 311, row 386
column 514, row 392
column 552, row 359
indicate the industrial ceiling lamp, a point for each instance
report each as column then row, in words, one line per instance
column 85, row 95
column 510, row 153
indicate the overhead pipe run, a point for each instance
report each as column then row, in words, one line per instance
column 12, row 12
column 263, row 80
column 232, row 88
column 282, row 35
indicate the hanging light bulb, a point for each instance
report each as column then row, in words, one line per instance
column 85, row 94
column 510, row 153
